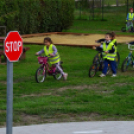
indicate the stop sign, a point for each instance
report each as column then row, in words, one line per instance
column 13, row 46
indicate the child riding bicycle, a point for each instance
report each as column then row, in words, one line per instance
column 109, row 53
column 130, row 19
column 51, row 52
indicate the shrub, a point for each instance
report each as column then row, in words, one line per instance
column 32, row 16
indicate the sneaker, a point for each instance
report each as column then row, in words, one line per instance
column 114, row 75
column 65, row 76
column 102, row 75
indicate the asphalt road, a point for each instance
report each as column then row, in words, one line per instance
column 111, row 127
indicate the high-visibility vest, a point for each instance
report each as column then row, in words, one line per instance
column 114, row 40
column 48, row 51
column 130, row 16
column 109, row 56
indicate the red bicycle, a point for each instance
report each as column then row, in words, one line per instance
column 45, row 69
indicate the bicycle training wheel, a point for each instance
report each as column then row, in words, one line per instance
column 40, row 75
column 58, row 74
column 123, row 29
column 126, row 63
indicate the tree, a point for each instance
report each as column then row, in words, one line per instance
column 117, row 3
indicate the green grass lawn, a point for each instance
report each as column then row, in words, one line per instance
column 80, row 98
column 114, row 20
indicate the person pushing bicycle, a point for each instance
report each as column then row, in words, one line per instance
column 51, row 52
column 130, row 19
column 109, row 54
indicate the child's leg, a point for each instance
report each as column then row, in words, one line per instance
column 65, row 75
column 105, row 67
column 128, row 23
column 113, row 66
column 59, row 68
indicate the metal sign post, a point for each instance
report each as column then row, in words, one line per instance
column 9, row 97
column 13, row 48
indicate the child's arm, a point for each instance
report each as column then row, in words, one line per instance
column 100, row 40
column 40, row 52
column 55, row 51
column 100, row 48
column 127, row 17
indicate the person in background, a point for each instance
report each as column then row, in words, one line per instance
column 109, row 54
column 51, row 52
column 130, row 18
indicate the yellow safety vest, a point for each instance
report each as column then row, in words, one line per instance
column 130, row 16
column 48, row 51
column 109, row 56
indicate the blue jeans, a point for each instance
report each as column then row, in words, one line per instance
column 112, row 64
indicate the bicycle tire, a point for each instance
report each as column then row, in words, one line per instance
column 57, row 74
column 124, row 67
column 123, row 29
column 38, row 74
column 93, row 69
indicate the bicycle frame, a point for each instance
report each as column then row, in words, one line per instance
column 99, row 62
column 129, row 27
column 45, row 65
column 130, row 58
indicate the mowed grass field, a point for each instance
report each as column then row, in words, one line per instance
column 80, row 98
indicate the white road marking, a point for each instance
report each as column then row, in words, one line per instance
column 88, row 132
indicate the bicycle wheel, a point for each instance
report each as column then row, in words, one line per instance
column 123, row 29
column 92, row 70
column 40, row 76
column 58, row 74
column 126, row 63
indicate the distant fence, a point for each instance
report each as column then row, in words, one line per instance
column 98, row 9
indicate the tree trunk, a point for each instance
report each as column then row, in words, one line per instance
column 117, row 3
column 100, row 3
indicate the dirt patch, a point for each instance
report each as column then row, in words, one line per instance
column 82, row 39
column 2, row 111
column 82, row 87
column 96, row 87
column 58, row 118
column 37, row 95
column 3, row 82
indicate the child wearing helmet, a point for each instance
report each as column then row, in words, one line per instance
column 130, row 18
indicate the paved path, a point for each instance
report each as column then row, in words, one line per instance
column 117, row 127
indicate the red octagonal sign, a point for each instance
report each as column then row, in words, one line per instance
column 13, row 46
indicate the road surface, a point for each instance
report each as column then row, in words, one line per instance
column 118, row 127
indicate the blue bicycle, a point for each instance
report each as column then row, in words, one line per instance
column 129, row 61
